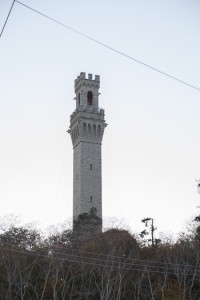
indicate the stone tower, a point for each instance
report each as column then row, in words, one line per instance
column 86, row 130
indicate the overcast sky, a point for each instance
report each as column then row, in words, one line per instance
column 151, row 147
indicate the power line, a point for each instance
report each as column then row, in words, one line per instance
column 112, row 260
column 110, row 48
column 107, row 256
column 130, row 260
column 7, row 18
column 110, row 264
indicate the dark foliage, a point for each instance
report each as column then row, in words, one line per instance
column 111, row 265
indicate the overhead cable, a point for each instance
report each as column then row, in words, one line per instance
column 7, row 18
column 109, row 260
column 110, row 264
column 109, row 47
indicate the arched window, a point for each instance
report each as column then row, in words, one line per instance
column 94, row 131
column 89, row 131
column 77, row 132
column 79, row 99
column 73, row 135
column 89, row 98
column 99, row 132
column 84, row 130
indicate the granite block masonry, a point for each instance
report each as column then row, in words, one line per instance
column 87, row 126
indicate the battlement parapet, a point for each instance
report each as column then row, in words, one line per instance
column 82, row 76
column 87, row 109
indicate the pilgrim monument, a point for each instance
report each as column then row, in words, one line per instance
column 87, row 126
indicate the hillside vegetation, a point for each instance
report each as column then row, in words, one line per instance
column 112, row 265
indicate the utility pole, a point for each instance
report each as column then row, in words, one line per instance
column 149, row 222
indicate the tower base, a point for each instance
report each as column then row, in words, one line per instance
column 87, row 225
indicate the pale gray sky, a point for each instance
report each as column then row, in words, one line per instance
column 151, row 147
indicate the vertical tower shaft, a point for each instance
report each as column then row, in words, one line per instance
column 86, row 129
